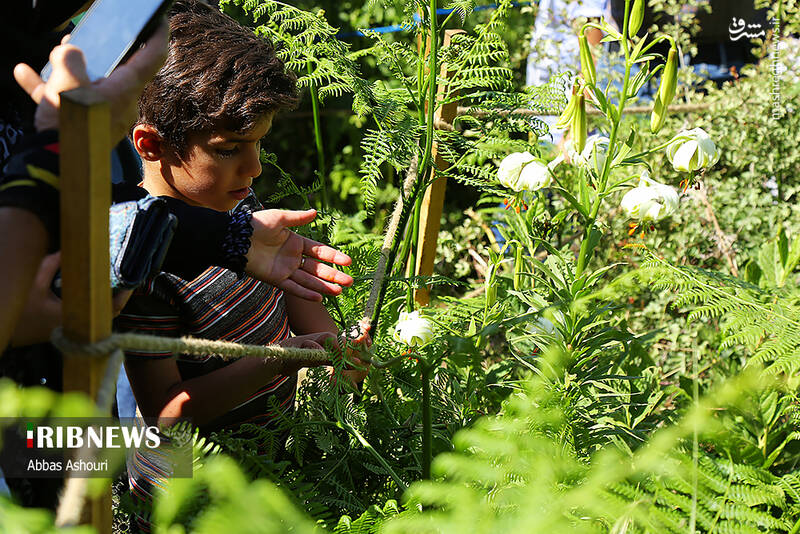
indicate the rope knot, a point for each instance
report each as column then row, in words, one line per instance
column 102, row 347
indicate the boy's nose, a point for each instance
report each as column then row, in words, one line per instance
column 252, row 166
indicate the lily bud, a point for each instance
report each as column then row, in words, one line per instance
column 666, row 90
column 637, row 16
column 669, row 81
column 587, row 62
column 579, row 126
column 412, row 329
column 692, row 150
column 650, row 200
column 565, row 119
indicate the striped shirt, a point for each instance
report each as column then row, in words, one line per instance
column 216, row 305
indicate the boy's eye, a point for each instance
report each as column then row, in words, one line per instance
column 227, row 152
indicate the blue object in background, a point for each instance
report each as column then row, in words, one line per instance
column 126, row 404
column 3, row 486
column 401, row 28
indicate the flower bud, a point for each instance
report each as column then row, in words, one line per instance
column 658, row 115
column 637, row 16
column 669, row 81
column 565, row 119
column 650, row 200
column 692, row 150
column 666, row 90
column 412, row 329
column 579, row 127
column 587, row 62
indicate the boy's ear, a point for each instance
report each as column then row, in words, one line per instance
column 148, row 143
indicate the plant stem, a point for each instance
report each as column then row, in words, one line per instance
column 318, row 141
column 405, row 212
column 427, row 451
column 431, row 86
column 413, row 253
column 586, row 249
column 695, row 446
column 366, row 444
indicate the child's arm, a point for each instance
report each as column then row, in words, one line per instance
column 307, row 317
column 160, row 392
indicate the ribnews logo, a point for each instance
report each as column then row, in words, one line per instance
column 78, row 437
column 92, row 447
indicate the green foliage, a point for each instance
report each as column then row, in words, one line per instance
column 370, row 521
column 765, row 321
column 17, row 520
column 513, row 473
column 231, row 502
column 577, row 383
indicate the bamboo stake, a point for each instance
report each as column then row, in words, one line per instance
column 432, row 203
column 85, row 155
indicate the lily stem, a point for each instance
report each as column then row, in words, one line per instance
column 427, row 450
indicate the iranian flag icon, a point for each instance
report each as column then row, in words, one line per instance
column 30, row 435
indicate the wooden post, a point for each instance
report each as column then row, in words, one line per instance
column 432, row 203
column 85, row 155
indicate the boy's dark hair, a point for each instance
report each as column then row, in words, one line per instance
column 218, row 75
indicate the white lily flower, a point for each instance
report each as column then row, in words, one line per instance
column 412, row 329
column 650, row 200
column 593, row 155
column 534, row 176
column 511, row 167
column 522, row 171
column 692, row 150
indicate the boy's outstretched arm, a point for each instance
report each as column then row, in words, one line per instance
column 289, row 261
column 161, row 392
column 306, row 317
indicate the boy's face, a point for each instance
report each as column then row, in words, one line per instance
column 219, row 166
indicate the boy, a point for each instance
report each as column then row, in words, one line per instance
column 201, row 120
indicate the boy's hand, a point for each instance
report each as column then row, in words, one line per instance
column 289, row 261
column 317, row 341
column 122, row 88
column 356, row 370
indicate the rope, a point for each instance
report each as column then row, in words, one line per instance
column 184, row 345
column 73, row 498
column 394, row 222
column 677, row 108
